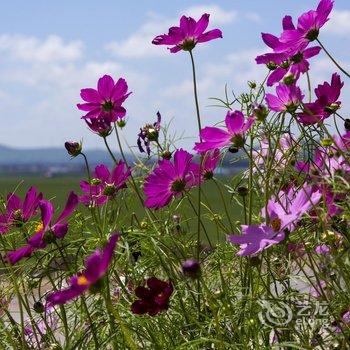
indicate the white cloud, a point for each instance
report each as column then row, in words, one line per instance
column 46, row 91
column 339, row 23
column 253, row 16
column 33, row 49
column 217, row 14
column 139, row 45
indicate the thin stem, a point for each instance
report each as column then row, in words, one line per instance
column 333, row 60
column 110, row 151
column 196, row 94
column 200, row 171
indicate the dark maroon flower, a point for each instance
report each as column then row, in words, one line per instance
column 154, row 298
column 188, row 34
column 191, row 268
column 148, row 133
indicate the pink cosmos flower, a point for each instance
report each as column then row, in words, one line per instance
column 285, row 66
column 210, row 161
column 96, row 266
column 45, row 232
column 213, row 137
column 170, row 179
column 255, row 239
column 279, row 155
column 104, row 185
column 283, row 213
column 188, row 34
column 326, row 104
column 287, row 208
column 309, row 25
column 318, row 289
column 287, row 100
column 102, row 126
column 106, row 101
column 18, row 212
column 327, row 161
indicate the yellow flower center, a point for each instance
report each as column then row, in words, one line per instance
column 82, row 281
column 276, row 224
column 39, row 227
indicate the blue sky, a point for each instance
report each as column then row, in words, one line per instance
column 49, row 50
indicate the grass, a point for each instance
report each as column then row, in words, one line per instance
column 57, row 188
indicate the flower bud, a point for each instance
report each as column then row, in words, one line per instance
column 347, row 124
column 326, row 142
column 176, row 218
column 49, row 237
column 73, row 148
column 289, row 79
column 38, row 307
column 166, row 155
column 260, row 113
column 191, row 268
column 271, row 65
column 252, row 84
column 233, row 149
column 242, row 191
column 121, row 123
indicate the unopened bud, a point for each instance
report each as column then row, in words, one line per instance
column 38, row 307
column 73, row 148
column 191, row 268
column 242, row 191
column 166, row 155
column 121, row 123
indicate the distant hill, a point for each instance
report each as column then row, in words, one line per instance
column 55, row 161
column 48, row 156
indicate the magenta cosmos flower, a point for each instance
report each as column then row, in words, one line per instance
column 308, row 28
column 46, row 232
column 283, row 213
column 284, row 66
column 106, row 101
column 170, row 179
column 188, row 34
column 104, row 185
column 234, row 136
column 326, row 104
column 152, row 299
column 287, row 100
column 18, row 212
column 96, row 266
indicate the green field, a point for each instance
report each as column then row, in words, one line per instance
column 57, row 189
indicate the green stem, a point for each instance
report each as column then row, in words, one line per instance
column 200, row 171
column 110, row 151
column 333, row 60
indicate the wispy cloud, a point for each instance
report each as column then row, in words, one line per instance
column 28, row 48
column 138, row 45
column 339, row 23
